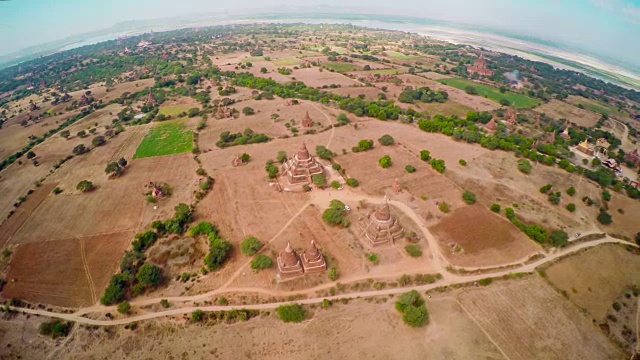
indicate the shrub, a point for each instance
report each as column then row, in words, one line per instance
column 606, row 196
column 373, row 257
column 261, row 262
column 57, row 191
column 438, row 165
column 149, row 275
column 425, row 155
column 201, row 228
column 164, row 303
column 462, row 162
column 469, row 197
column 411, row 305
column 281, row 157
column 342, row 118
column 85, row 186
column 250, row 246
column 323, row 152
column 485, row 281
column 524, row 166
column 197, row 315
column 386, row 140
column 332, row 274
column 444, row 207
column 248, row 111
column 495, row 208
column 571, row 207
column 115, row 290
column 559, row 238
column 272, row 170
column 325, row 304
column 98, row 141
column 571, row 191
column 413, row 250
column 352, row 182
column 124, row 307
column 604, row 217
column 364, row 145
column 291, row 313
column 410, row 169
column 55, row 328
column 545, row 189
column 319, row 180
column 385, row 161
column 335, row 184
column 218, row 250
column 336, row 167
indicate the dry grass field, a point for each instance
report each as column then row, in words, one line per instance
column 473, row 236
column 561, row 110
column 595, row 278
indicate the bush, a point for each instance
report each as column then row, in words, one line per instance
column 336, row 167
column 114, row 292
column 364, row 145
column 218, row 250
column 386, row 140
column 332, row 274
column 571, row 207
column 281, row 157
column 604, row 217
column 410, row 169
column 385, row 161
column 425, row 155
column 495, row 208
column 545, row 189
column 412, row 306
column 201, row 228
column 319, row 180
column 197, row 315
column 469, row 198
column 524, row 166
column 85, row 186
column 250, row 246
column 323, row 152
column 261, row 262
column 335, row 184
column 98, row 141
column 291, row 313
column 413, row 250
column 55, row 328
column 193, row 112
column 438, row 165
column 485, row 281
column 606, row 196
column 559, row 238
column 124, row 307
column 571, row 191
column 149, row 275
column 272, row 170
column 462, row 162
column 57, row 191
column 248, row 111
column 444, row 207
column 352, row 182
column 342, row 118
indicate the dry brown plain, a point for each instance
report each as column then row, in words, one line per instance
column 561, row 110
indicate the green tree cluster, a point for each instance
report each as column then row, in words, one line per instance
column 336, row 214
column 413, row 309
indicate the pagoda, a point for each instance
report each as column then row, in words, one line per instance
column 312, row 260
column 151, row 99
column 480, row 67
column 381, row 227
column 301, row 167
column 289, row 265
column 306, row 121
column 491, row 126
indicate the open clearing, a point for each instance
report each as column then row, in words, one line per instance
column 174, row 110
column 166, row 138
column 75, row 271
column 485, row 238
column 528, row 320
column 340, row 66
column 518, row 100
column 561, row 110
column 595, row 278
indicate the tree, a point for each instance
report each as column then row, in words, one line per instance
column 218, row 251
column 31, row 155
column 333, row 275
column 335, row 184
column 469, row 197
column 193, row 112
column 122, row 162
column 604, row 217
column 438, row 165
column 524, row 166
column 425, row 155
column 81, row 133
column 342, row 118
column 248, row 111
column 385, row 161
column 323, row 152
column 124, row 307
column 319, row 180
column 571, row 207
column 495, row 208
column 98, row 141
column 471, row 90
column 245, row 157
column 149, row 275
column 250, row 246
column 113, row 169
column 263, row 70
column 261, row 262
column 606, row 196
column 353, row 182
column 559, row 238
column 386, row 140
column 413, row 250
column 281, row 157
column 571, row 191
column 462, row 162
column 79, row 149
column 197, row 315
column 364, row 145
column 85, row 186
column 410, row 169
column 291, row 313
column 336, row 214
column 412, row 306
column 65, row 134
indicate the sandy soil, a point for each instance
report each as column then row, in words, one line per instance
column 595, row 278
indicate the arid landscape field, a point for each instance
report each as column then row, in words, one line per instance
column 315, row 192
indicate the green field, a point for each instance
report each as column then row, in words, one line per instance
column 341, row 66
column 174, row 110
column 398, row 55
column 518, row 100
column 166, row 138
column 285, row 62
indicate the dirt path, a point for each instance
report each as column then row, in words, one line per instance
column 85, row 266
column 333, row 129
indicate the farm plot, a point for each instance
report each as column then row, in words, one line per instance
column 528, row 320
column 314, row 78
column 560, row 110
column 10, row 226
column 170, row 137
column 594, row 279
column 77, row 270
column 340, row 66
column 175, row 110
column 518, row 100
column 473, row 236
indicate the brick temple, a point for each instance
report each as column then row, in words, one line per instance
column 380, row 228
column 480, row 67
column 301, row 167
column 291, row 265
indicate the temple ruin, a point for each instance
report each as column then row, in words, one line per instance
column 480, row 67
column 312, row 260
column 307, row 121
column 290, row 265
column 301, row 167
column 380, row 228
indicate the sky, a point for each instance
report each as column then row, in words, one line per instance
column 609, row 28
